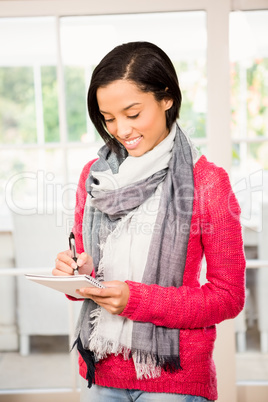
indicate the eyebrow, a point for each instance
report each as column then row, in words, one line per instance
column 125, row 108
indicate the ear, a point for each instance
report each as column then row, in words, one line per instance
column 168, row 102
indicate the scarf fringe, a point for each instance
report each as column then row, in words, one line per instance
column 149, row 365
column 100, row 275
column 103, row 347
column 167, row 363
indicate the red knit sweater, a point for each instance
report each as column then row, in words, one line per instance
column 194, row 309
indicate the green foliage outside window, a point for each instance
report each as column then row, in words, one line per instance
column 17, row 107
column 50, row 103
column 193, row 118
column 75, row 95
column 257, row 102
column 249, row 107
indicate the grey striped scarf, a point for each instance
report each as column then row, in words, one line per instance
column 153, row 345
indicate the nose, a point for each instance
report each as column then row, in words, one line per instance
column 124, row 129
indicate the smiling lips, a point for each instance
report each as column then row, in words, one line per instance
column 130, row 144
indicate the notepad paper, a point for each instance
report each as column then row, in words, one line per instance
column 66, row 284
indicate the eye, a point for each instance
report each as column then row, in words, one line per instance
column 108, row 120
column 134, row 117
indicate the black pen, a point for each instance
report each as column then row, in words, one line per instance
column 73, row 250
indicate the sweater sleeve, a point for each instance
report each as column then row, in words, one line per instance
column 223, row 296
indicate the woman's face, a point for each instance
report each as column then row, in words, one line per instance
column 133, row 117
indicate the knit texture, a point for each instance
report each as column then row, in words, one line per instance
column 216, row 233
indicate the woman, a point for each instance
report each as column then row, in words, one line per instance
column 147, row 212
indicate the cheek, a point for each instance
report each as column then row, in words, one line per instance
column 111, row 128
column 148, row 122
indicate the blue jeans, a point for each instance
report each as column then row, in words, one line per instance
column 104, row 394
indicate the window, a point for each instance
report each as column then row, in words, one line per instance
column 29, row 112
column 249, row 101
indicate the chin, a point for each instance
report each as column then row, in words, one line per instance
column 136, row 153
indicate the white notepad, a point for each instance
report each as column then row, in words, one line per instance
column 66, row 284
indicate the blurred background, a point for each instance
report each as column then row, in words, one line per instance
column 48, row 50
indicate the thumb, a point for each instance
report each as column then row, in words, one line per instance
column 82, row 259
column 86, row 263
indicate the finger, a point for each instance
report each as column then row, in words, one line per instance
column 101, row 301
column 66, row 257
column 112, row 305
column 65, row 267
column 57, row 272
column 83, row 259
column 102, row 296
column 92, row 291
column 111, row 291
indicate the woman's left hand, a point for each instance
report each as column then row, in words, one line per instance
column 113, row 298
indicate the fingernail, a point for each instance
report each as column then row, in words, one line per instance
column 74, row 265
column 79, row 262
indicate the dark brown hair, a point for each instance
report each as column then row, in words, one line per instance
column 144, row 64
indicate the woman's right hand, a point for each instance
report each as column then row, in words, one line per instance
column 65, row 265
